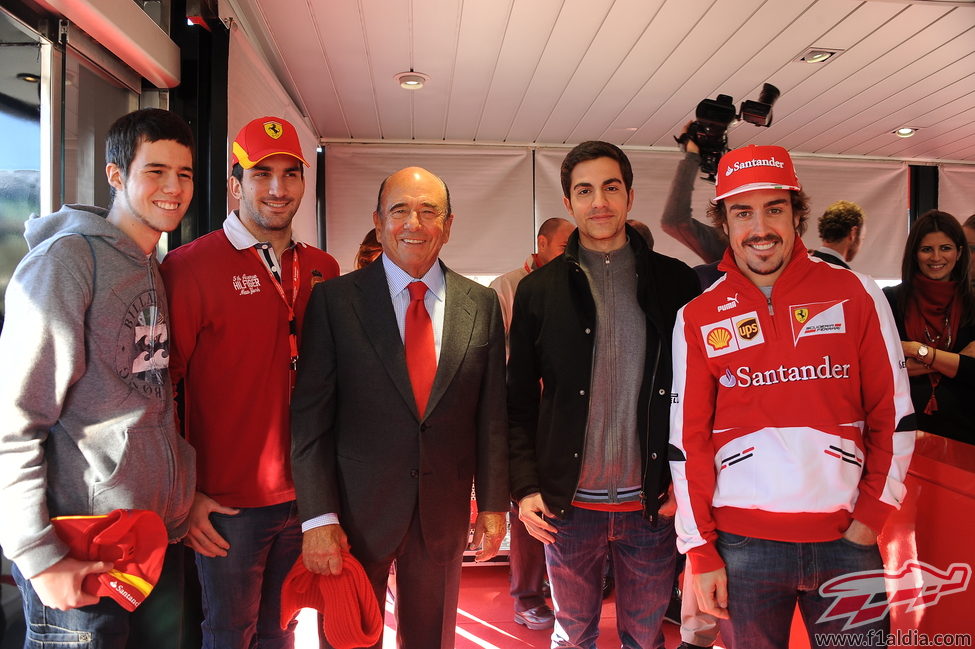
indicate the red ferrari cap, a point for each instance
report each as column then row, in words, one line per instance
column 755, row 167
column 263, row 137
column 133, row 540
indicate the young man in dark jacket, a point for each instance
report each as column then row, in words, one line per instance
column 588, row 403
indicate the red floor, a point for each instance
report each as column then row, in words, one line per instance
column 484, row 617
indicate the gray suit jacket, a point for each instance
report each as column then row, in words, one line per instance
column 359, row 447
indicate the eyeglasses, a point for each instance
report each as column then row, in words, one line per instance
column 426, row 214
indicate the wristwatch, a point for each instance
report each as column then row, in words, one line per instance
column 922, row 353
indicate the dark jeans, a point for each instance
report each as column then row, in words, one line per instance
column 156, row 624
column 242, row 591
column 644, row 557
column 527, row 558
column 766, row 579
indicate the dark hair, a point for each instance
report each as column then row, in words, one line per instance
column 145, row 125
column 382, row 188
column 937, row 221
column 800, row 207
column 969, row 222
column 369, row 250
column 838, row 219
column 590, row 151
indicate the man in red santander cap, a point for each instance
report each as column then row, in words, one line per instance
column 238, row 297
column 792, row 426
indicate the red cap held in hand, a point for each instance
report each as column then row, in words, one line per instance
column 133, row 540
column 347, row 602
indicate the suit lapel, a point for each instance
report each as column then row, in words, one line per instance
column 458, row 325
column 374, row 309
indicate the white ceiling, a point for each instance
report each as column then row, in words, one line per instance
column 627, row 71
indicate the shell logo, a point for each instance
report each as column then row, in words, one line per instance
column 719, row 338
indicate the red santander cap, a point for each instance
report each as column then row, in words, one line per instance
column 133, row 540
column 263, row 137
column 755, row 167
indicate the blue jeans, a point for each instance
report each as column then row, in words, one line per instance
column 242, row 592
column 156, row 624
column 766, row 579
column 644, row 558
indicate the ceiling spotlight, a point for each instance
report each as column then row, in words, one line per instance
column 905, row 132
column 411, row 80
column 29, row 77
column 817, row 55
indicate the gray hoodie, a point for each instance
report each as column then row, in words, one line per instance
column 86, row 410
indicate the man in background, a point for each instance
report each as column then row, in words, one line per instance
column 527, row 555
column 841, row 229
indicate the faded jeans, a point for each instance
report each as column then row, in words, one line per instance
column 644, row 559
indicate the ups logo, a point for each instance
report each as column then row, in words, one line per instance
column 748, row 328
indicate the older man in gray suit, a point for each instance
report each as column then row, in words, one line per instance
column 399, row 404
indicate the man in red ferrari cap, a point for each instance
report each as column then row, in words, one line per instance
column 792, row 426
column 237, row 298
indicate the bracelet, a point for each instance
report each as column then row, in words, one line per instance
column 934, row 355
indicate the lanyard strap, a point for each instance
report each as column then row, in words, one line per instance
column 292, row 320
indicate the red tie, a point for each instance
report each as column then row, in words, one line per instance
column 421, row 355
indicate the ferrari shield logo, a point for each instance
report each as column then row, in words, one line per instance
column 802, row 314
column 274, row 130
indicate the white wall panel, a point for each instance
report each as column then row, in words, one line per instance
column 253, row 91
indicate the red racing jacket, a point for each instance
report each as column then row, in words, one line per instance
column 792, row 413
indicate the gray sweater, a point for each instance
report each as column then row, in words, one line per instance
column 86, row 410
column 611, row 461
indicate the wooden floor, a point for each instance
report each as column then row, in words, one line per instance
column 485, row 618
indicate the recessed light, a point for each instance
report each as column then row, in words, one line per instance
column 29, row 77
column 906, row 131
column 817, row 55
column 411, row 80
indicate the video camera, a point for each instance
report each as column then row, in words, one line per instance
column 709, row 131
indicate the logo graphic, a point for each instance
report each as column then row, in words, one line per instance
column 728, row 379
column 759, row 162
column 745, row 377
column 719, row 338
column 817, row 319
column 151, row 342
column 741, row 456
column 731, row 304
column 747, row 328
column 142, row 346
column 316, row 277
column 274, row 130
column 846, row 456
column 862, row 597
column 732, row 334
column 246, row 284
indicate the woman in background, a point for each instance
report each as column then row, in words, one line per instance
column 369, row 250
column 935, row 312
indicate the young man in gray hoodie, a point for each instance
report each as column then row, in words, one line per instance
column 86, row 411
